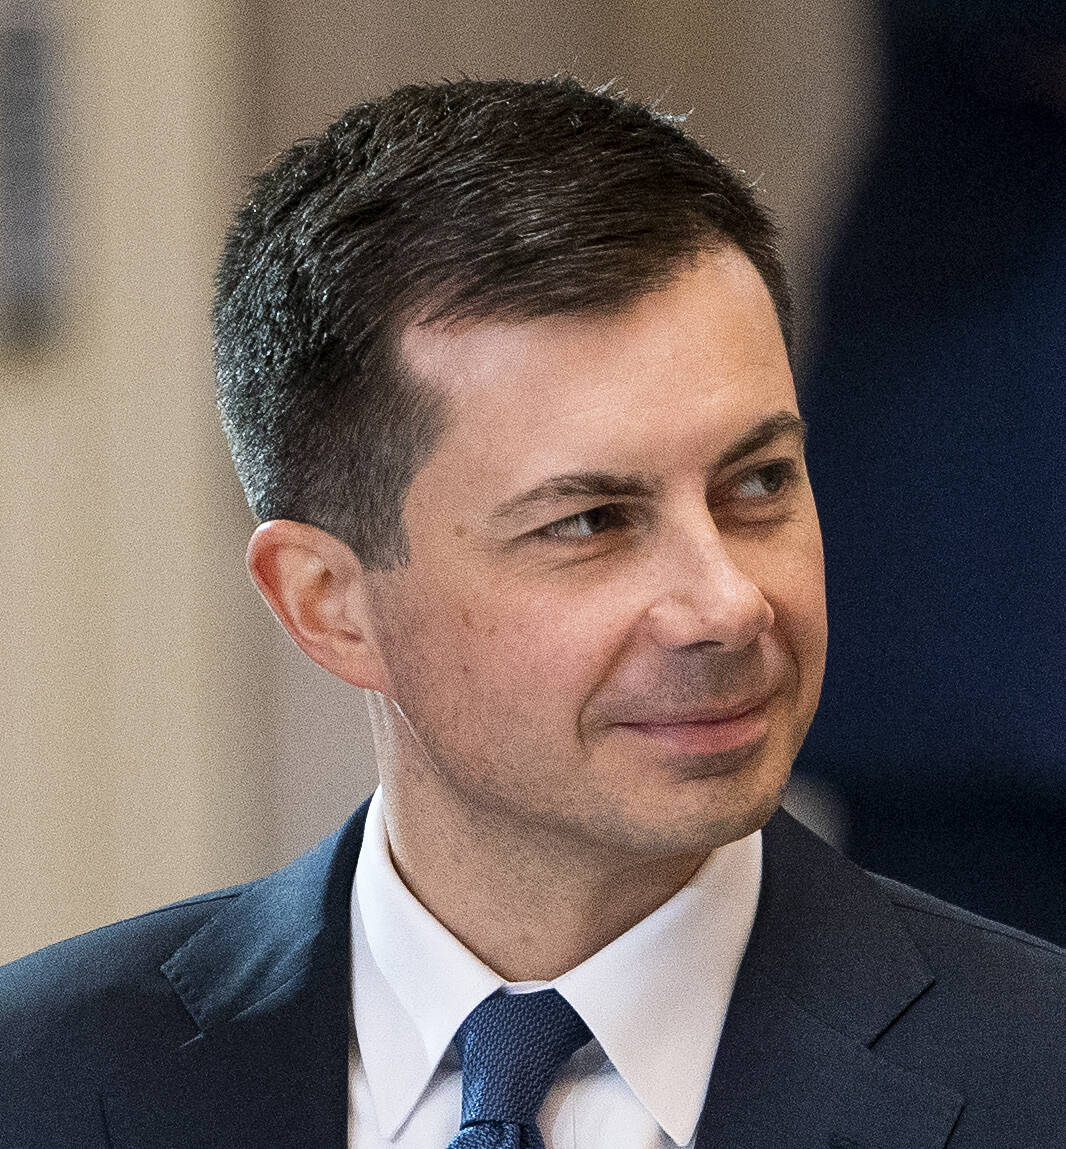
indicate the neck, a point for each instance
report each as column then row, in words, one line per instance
column 496, row 892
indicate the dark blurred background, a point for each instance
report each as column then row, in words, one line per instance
column 160, row 735
column 936, row 390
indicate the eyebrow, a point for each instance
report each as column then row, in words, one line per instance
column 604, row 485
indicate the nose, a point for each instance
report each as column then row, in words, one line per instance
column 705, row 597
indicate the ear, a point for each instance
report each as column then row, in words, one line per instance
column 316, row 587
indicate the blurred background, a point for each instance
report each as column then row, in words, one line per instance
column 161, row 736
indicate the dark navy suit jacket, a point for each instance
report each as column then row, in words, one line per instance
column 865, row 1015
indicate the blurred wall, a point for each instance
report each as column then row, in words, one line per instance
column 160, row 734
column 134, row 656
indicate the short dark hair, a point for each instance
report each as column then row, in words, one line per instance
column 471, row 199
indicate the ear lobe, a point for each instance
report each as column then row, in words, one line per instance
column 316, row 588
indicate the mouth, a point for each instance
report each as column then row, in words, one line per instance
column 713, row 733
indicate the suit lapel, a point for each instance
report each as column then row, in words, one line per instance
column 827, row 970
column 266, row 981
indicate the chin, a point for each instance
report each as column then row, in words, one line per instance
column 704, row 819
column 751, row 818
column 712, row 809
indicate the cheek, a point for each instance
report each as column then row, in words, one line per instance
column 461, row 652
column 543, row 651
column 796, row 591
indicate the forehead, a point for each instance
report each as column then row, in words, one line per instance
column 702, row 358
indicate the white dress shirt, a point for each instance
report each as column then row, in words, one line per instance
column 655, row 1000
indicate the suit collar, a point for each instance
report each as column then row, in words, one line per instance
column 266, row 980
column 826, row 932
column 828, row 969
column 281, row 930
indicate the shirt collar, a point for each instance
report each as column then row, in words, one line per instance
column 655, row 998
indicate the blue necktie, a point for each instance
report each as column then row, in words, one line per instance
column 513, row 1046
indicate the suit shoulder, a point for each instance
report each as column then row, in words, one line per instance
column 77, row 1014
column 937, row 923
column 107, row 961
column 990, row 1022
column 997, row 1001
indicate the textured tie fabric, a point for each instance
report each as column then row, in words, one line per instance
column 512, row 1047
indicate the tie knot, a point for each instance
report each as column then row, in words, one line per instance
column 513, row 1046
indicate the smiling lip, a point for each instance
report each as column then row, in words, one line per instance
column 715, row 734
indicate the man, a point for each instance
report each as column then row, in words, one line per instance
column 504, row 370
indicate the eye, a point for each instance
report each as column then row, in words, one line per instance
column 587, row 524
column 773, row 479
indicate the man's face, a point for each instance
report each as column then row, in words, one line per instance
column 554, row 655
